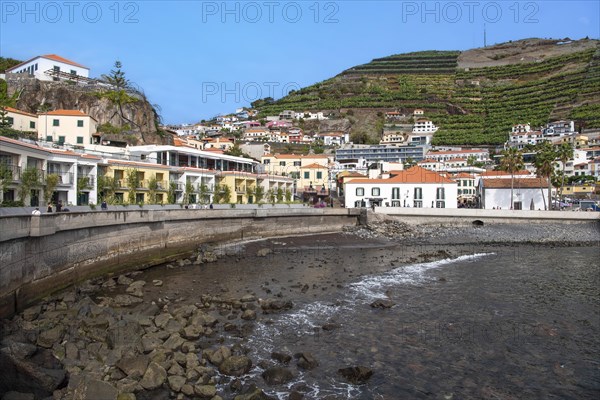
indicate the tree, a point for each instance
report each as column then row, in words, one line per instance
column 512, row 161
column 564, row 153
column 172, row 194
column 6, row 176
column 189, row 189
column 83, row 182
column 544, row 164
column 234, row 150
column 30, row 178
column 118, row 94
column 107, row 186
column 152, row 189
column 133, row 182
column 117, row 77
column 6, row 101
column 204, row 192
column 222, row 194
column 259, row 193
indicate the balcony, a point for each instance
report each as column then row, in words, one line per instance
column 240, row 189
column 13, row 172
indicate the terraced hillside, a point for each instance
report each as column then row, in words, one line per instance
column 471, row 105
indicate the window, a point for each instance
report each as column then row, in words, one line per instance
column 61, row 140
column 319, row 175
column 266, row 161
column 306, row 175
column 375, row 191
column 31, row 124
column 80, row 123
column 440, row 204
column 297, row 163
column 440, row 194
column 10, row 120
column 360, row 191
column 282, row 163
column 418, row 193
column 49, row 138
column 418, row 197
column 55, row 122
column 295, row 175
column 395, row 194
column 79, row 139
column 73, row 72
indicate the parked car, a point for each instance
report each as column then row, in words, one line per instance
column 588, row 205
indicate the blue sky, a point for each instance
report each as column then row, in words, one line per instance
column 198, row 59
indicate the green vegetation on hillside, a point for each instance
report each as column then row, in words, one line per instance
column 472, row 106
column 6, row 63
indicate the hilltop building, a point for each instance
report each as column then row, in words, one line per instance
column 51, row 67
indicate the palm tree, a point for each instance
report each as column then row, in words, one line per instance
column 512, row 161
column 565, row 153
column 544, row 165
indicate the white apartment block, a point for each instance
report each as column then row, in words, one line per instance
column 424, row 126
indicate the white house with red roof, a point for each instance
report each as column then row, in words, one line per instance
column 21, row 120
column 415, row 187
column 51, row 67
column 67, row 126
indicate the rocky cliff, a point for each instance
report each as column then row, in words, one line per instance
column 135, row 122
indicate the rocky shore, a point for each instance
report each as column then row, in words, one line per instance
column 125, row 338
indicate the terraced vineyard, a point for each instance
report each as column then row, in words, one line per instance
column 471, row 106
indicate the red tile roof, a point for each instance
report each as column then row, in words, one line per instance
column 504, row 173
column 14, row 110
column 314, row 166
column 530, row 183
column 414, row 174
column 53, row 57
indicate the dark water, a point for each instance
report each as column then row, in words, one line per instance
column 500, row 323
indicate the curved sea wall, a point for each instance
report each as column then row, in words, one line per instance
column 43, row 254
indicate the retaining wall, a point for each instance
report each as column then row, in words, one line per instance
column 43, row 254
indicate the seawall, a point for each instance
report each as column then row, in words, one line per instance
column 42, row 254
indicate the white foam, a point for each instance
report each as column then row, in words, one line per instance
column 372, row 287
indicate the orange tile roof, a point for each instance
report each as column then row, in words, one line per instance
column 53, row 57
column 63, row 60
column 414, row 174
column 313, row 166
column 14, row 110
column 504, row 173
column 429, row 160
column 464, row 175
column 531, row 183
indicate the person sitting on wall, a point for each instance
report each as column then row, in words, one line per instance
column 36, row 212
column 49, row 208
column 59, row 206
column 103, row 206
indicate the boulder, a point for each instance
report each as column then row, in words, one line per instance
column 192, row 332
column 125, row 333
column 124, row 280
column 382, row 303
column 176, row 382
column 306, row 361
column 249, row 315
column 281, row 357
column 88, row 389
column 126, row 300
column 253, row 393
column 356, row 375
column 154, row 377
column 205, row 391
column 275, row 305
column 49, row 337
column 136, row 288
column 174, row 342
column 134, row 367
column 217, row 356
column 277, row 375
column 161, row 319
column 263, row 252
column 187, row 389
column 236, row 366
column 32, row 313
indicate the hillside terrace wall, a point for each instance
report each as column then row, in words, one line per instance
column 43, row 254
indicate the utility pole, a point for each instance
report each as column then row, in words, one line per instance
column 484, row 36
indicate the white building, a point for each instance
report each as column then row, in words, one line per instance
column 478, row 154
column 51, row 67
column 528, row 194
column 424, row 126
column 415, row 187
column 21, row 120
column 77, row 173
column 67, row 126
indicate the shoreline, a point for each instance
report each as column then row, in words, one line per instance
column 168, row 329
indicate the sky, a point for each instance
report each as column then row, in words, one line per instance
column 199, row 59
